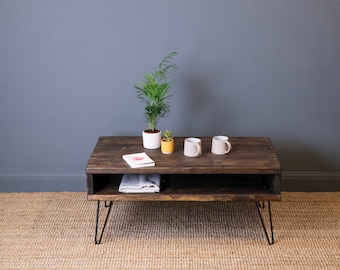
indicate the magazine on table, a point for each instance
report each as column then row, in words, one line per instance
column 138, row 160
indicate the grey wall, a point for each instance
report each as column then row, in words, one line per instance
column 247, row 68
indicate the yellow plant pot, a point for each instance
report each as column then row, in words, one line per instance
column 167, row 147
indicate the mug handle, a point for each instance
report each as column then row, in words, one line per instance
column 229, row 147
column 198, row 148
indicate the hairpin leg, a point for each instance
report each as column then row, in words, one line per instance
column 258, row 206
column 261, row 205
column 96, row 241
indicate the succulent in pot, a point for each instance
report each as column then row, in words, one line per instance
column 167, row 143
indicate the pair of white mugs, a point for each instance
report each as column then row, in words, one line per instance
column 220, row 145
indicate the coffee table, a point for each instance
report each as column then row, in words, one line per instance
column 250, row 172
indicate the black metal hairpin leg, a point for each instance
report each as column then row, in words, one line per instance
column 258, row 206
column 96, row 241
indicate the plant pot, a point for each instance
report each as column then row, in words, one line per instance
column 167, row 147
column 152, row 140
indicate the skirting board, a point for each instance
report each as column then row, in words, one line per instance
column 310, row 181
column 76, row 182
column 43, row 182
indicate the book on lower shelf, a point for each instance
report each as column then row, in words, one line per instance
column 138, row 160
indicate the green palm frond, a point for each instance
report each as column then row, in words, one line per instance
column 154, row 91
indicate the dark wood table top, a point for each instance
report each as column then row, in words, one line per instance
column 249, row 155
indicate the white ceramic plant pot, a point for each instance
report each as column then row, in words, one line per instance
column 152, row 140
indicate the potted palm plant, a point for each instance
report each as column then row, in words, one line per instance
column 167, row 143
column 154, row 91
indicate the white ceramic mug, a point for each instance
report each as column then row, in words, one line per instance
column 192, row 147
column 220, row 145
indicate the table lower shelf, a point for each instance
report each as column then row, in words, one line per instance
column 191, row 188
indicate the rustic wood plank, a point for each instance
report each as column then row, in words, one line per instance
column 249, row 155
column 90, row 185
column 254, row 197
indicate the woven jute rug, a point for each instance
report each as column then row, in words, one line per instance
column 56, row 231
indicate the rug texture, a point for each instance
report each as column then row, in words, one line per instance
column 56, row 231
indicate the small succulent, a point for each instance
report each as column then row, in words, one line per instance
column 167, row 135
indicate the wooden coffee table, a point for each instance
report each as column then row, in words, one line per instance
column 250, row 172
